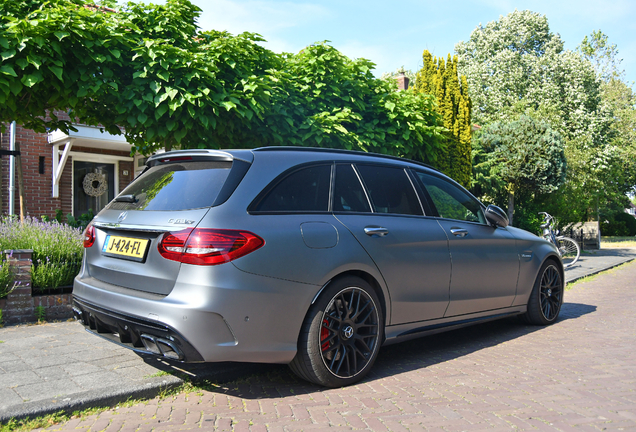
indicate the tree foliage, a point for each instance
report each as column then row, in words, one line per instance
column 602, row 54
column 441, row 79
column 523, row 156
column 516, row 66
column 517, row 63
column 620, row 100
column 148, row 72
column 340, row 104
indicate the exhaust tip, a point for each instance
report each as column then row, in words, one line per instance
column 169, row 349
column 161, row 347
column 150, row 344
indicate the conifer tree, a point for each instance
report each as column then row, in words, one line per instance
column 440, row 78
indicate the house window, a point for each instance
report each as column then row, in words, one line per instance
column 93, row 186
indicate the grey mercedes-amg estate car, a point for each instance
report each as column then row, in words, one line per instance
column 310, row 257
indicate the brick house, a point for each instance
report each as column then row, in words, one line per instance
column 74, row 173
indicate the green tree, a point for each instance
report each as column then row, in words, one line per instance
column 148, row 72
column 338, row 103
column 619, row 99
column 145, row 69
column 602, row 54
column 441, row 79
column 516, row 66
column 522, row 156
column 517, row 63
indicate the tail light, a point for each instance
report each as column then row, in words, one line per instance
column 203, row 246
column 89, row 236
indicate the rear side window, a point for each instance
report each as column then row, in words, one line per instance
column 390, row 190
column 305, row 190
column 176, row 186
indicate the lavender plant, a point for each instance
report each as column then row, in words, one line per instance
column 57, row 248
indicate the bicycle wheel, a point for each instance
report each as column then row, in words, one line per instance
column 569, row 250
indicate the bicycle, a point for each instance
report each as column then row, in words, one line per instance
column 568, row 248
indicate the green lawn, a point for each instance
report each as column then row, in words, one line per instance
column 618, row 242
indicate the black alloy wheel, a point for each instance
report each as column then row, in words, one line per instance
column 349, row 332
column 551, row 293
column 546, row 298
column 341, row 336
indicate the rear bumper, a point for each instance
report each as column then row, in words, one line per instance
column 136, row 333
column 213, row 314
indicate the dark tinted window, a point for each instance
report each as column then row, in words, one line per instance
column 349, row 195
column 176, row 186
column 451, row 201
column 390, row 190
column 304, row 190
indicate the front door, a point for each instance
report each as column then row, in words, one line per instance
column 93, row 186
column 485, row 262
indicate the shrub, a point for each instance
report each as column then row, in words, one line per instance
column 57, row 248
column 630, row 222
column 614, row 229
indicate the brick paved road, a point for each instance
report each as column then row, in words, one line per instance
column 579, row 374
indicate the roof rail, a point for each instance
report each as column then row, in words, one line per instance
column 342, row 151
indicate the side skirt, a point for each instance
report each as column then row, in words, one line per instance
column 404, row 332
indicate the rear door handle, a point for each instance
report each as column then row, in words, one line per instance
column 378, row 231
column 459, row 232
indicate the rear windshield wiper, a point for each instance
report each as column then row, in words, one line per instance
column 127, row 198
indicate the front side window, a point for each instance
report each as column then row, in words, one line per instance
column 390, row 190
column 305, row 190
column 451, row 202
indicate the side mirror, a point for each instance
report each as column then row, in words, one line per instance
column 496, row 216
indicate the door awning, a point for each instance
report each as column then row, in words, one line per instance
column 86, row 136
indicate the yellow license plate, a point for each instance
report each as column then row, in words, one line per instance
column 125, row 247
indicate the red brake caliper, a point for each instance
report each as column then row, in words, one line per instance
column 324, row 334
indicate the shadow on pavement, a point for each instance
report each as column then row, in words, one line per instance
column 263, row 381
column 575, row 310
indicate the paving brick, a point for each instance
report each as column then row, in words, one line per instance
column 576, row 375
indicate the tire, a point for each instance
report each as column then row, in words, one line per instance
column 569, row 250
column 341, row 336
column 546, row 298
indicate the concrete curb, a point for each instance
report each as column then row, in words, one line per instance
column 149, row 389
column 601, row 270
column 109, row 396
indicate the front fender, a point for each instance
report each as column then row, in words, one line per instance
column 533, row 252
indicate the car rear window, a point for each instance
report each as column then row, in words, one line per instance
column 176, row 186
